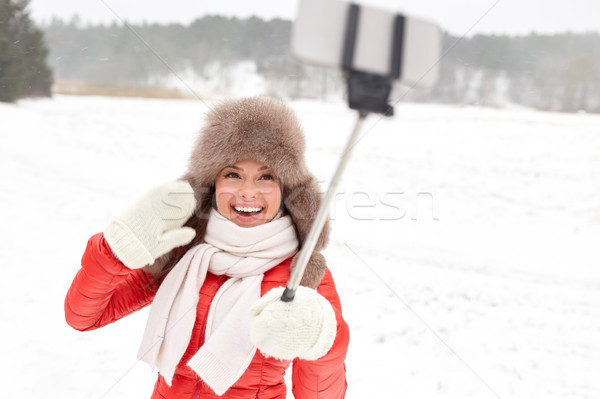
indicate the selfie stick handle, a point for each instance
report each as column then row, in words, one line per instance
column 310, row 242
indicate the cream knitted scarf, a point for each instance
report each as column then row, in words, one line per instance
column 243, row 254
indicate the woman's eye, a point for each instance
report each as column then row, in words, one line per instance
column 267, row 177
column 232, row 175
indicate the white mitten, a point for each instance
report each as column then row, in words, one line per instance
column 153, row 226
column 303, row 328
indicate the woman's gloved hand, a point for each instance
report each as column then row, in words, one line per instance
column 304, row 328
column 153, row 226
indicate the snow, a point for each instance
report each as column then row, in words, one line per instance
column 464, row 243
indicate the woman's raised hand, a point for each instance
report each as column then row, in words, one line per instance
column 153, row 226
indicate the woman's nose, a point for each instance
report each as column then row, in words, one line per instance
column 248, row 190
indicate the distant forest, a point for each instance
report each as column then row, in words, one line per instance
column 548, row 72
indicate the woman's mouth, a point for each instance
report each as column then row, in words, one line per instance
column 247, row 211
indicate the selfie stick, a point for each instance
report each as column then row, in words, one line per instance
column 366, row 93
column 311, row 240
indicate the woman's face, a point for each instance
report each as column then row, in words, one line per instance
column 247, row 193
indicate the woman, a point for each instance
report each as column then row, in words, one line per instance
column 221, row 242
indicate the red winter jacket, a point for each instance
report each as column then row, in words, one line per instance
column 105, row 290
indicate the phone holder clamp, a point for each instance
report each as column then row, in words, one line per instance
column 369, row 92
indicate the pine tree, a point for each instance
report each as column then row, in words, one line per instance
column 23, row 68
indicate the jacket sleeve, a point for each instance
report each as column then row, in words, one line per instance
column 324, row 378
column 104, row 290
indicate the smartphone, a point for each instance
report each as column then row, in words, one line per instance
column 408, row 51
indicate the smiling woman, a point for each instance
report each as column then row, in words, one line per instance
column 248, row 193
column 222, row 241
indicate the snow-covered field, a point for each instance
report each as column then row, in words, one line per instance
column 465, row 244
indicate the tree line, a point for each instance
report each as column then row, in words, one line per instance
column 558, row 72
column 23, row 68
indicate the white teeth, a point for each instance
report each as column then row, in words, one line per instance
column 247, row 209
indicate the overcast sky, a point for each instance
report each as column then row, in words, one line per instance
column 456, row 16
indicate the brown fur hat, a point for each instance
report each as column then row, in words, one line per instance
column 267, row 131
